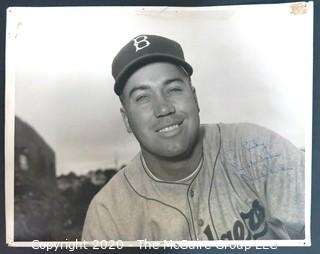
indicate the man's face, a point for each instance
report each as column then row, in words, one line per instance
column 161, row 109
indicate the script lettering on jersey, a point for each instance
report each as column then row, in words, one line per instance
column 252, row 225
column 260, row 161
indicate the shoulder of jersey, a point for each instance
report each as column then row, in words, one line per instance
column 243, row 129
column 116, row 185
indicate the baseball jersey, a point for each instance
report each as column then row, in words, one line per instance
column 250, row 185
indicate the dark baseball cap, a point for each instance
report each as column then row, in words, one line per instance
column 142, row 50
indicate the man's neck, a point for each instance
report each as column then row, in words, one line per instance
column 174, row 170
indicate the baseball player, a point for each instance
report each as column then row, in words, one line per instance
column 192, row 181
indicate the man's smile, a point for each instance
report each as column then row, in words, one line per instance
column 170, row 130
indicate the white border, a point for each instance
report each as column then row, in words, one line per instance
column 169, row 244
column 9, row 124
column 9, row 153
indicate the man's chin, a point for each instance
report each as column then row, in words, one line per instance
column 172, row 153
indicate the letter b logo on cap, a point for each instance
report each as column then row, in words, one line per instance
column 141, row 42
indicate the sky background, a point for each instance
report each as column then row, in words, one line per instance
column 251, row 64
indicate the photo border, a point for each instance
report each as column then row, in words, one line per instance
column 315, row 139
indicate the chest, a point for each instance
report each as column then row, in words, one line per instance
column 211, row 207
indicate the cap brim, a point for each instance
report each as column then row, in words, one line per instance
column 146, row 59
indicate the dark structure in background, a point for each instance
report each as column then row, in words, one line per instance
column 36, row 199
column 33, row 156
column 47, row 207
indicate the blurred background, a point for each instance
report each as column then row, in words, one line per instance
column 251, row 64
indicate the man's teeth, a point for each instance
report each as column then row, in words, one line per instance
column 169, row 128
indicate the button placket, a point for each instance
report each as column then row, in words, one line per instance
column 200, row 222
column 191, row 193
column 191, row 202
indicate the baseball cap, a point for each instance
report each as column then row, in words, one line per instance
column 142, row 50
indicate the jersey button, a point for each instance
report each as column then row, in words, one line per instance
column 191, row 193
column 200, row 222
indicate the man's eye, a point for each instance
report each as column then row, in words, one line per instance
column 141, row 98
column 175, row 89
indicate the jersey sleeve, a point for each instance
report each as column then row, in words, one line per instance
column 99, row 224
column 274, row 168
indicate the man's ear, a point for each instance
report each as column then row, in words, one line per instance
column 125, row 119
column 195, row 97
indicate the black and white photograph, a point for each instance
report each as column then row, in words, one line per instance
column 154, row 124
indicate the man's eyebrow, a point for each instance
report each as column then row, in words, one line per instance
column 141, row 87
column 169, row 81
column 145, row 87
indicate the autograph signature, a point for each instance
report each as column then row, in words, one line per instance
column 260, row 161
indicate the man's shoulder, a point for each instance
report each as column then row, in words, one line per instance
column 113, row 204
column 234, row 131
column 237, row 130
column 249, row 134
column 242, row 127
column 118, row 186
column 110, row 189
column 244, row 137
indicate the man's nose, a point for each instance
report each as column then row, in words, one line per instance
column 163, row 107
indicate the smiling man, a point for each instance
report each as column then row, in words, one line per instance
column 192, row 181
column 160, row 108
